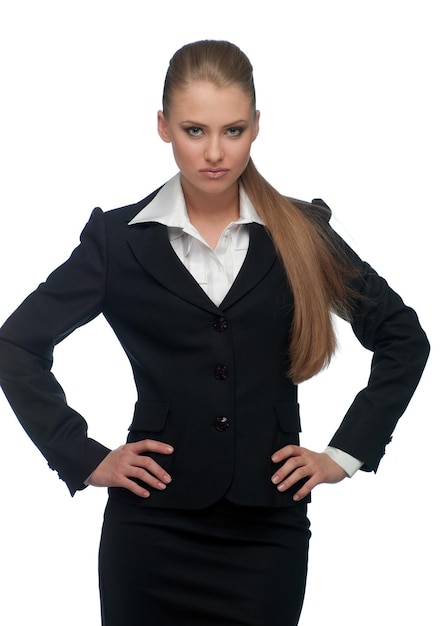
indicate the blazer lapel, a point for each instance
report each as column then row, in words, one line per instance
column 260, row 258
column 152, row 249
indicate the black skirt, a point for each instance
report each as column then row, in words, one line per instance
column 225, row 565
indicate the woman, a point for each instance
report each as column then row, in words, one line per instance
column 221, row 292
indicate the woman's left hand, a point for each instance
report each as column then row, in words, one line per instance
column 300, row 463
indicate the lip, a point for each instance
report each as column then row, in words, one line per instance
column 211, row 172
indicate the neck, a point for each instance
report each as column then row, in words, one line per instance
column 211, row 207
column 211, row 213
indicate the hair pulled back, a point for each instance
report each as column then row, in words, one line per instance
column 218, row 62
column 314, row 268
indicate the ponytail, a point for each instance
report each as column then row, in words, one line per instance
column 315, row 274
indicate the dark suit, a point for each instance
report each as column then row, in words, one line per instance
column 211, row 380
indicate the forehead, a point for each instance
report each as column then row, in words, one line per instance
column 205, row 100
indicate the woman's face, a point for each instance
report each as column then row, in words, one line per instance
column 211, row 130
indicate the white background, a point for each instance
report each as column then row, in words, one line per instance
column 354, row 104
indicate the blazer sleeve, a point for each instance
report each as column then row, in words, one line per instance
column 71, row 296
column 391, row 330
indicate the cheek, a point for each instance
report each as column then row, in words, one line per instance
column 242, row 152
column 184, row 151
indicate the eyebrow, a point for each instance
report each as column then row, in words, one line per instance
column 201, row 125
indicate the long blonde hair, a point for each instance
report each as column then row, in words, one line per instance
column 315, row 270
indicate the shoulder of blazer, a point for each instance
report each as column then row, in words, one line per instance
column 128, row 212
column 317, row 209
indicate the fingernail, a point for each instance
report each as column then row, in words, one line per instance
column 167, row 478
column 275, row 479
column 281, row 487
column 169, row 449
column 161, row 485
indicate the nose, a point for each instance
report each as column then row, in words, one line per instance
column 213, row 152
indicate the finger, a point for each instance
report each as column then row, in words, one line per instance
column 298, row 475
column 305, row 490
column 151, row 467
column 287, row 468
column 286, row 452
column 142, row 475
column 128, row 481
column 150, row 445
column 136, row 489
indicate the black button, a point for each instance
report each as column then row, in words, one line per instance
column 221, row 372
column 222, row 424
column 220, row 324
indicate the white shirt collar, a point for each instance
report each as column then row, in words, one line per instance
column 168, row 208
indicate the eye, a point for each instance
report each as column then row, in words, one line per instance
column 194, row 131
column 235, row 131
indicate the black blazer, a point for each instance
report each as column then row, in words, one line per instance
column 211, row 380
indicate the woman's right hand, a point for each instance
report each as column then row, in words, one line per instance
column 127, row 462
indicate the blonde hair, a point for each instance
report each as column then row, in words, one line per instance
column 315, row 269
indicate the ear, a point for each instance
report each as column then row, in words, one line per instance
column 256, row 125
column 162, row 127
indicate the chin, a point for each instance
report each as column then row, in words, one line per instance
column 213, row 186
